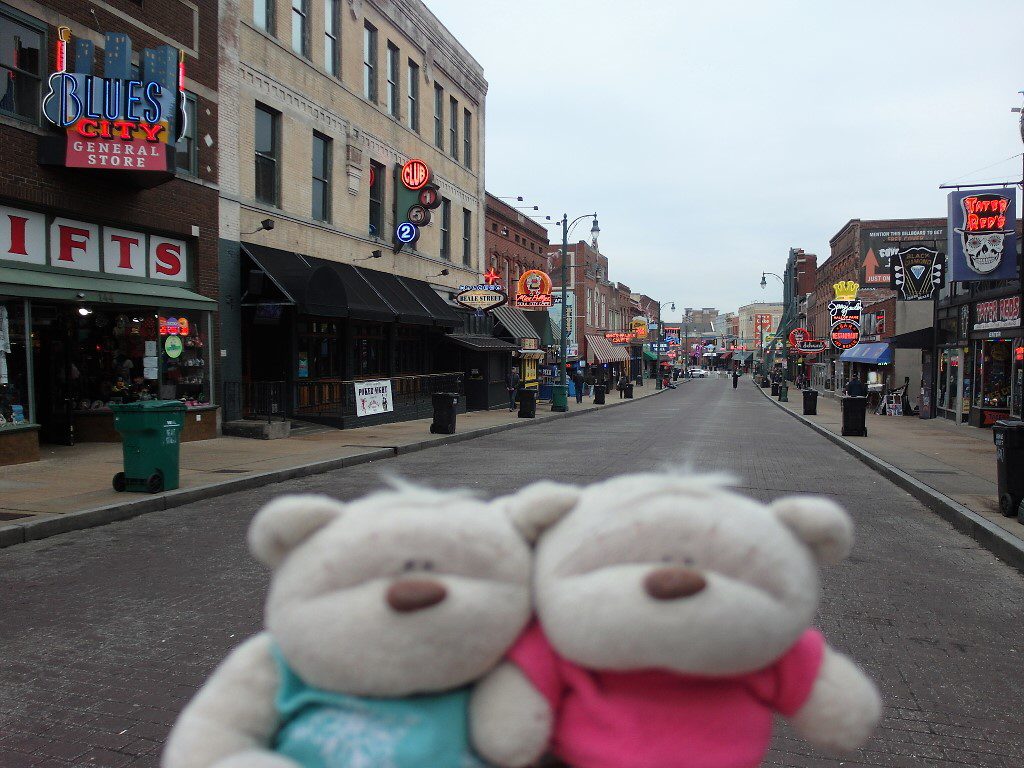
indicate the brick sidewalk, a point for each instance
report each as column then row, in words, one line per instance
column 78, row 478
column 958, row 461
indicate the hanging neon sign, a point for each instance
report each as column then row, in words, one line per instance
column 118, row 120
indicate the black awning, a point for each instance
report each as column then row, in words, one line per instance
column 444, row 314
column 480, row 343
column 406, row 306
column 364, row 302
column 923, row 338
column 309, row 285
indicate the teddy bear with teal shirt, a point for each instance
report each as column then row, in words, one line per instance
column 381, row 614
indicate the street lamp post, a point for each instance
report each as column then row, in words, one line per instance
column 560, row 391
column 661, row 337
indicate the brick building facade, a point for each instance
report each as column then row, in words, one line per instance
column 95, row 260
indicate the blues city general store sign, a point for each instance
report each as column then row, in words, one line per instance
column 123, row 119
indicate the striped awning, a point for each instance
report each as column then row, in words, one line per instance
column 603, row 351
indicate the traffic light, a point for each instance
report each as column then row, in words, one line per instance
column 415, row 197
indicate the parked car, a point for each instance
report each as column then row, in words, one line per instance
column 696, row 373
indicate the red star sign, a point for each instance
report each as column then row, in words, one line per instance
column 491, row 277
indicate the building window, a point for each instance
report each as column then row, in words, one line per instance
column 453, row 127
column 376, row 198
column 321, row 177
column 300, row 24
column 446, row 228
column 467, row 236
column 332, row 23
column 413, row 89
column 263, row 15
column 21, row 60
column 370, row 62
column 393, row 90
column 185, row 149
column 267, row 154
column 370, row 350
column 467, row 138
column 438, row 116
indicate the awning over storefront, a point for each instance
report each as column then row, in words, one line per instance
column 603, row 351
column 874, row 353
column 742, row 357
column 923, row 338
column 332, row 289
column 725, row 355
column 98, row 290
column 515, row 322
column 480, row 343
column 648, row 355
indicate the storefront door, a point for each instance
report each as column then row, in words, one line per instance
column 55, row 374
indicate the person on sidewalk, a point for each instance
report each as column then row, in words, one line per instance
column 735, row 379
column 623, row 381
column 855, row 387
column 512, row 385
column 577, row 382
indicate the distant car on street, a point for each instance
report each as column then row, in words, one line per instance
column 696, row 373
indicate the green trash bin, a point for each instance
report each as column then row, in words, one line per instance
column 151, row 440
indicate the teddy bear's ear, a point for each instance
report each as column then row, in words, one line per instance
column 818, row 523
column 288, row 521
column 537, row 507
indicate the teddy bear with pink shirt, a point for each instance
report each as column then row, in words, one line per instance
column 673, row 622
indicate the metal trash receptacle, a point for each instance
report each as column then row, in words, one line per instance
column 445, row 405
column 599, row 393
column 629, row 391
column 855, row 411
column 527, row 404
column 775, row 389
column 1008, row 437
column 810, row 402
column 151, row 445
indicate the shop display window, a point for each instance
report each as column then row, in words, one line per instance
column 992, row 365
column 319, row 351
column 183, row 370
column 14, row 381
column 369, row 356
column 1017, row 376
column 410, row 350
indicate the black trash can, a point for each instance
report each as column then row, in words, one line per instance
column 775, row 389
column 629, row 391
column 527, row 404
column 1009, row 439
column 599, row 394
column 855, row 411
column 810, row 402
column 445, row 405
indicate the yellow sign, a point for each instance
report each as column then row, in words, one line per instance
column 639, row 327
column 846, row 290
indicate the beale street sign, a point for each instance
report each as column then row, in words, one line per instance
column 481, row 297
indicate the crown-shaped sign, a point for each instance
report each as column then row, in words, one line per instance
column 846, row 290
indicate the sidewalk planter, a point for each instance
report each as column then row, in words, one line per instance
column 527, row 404
column 810, row 402
column 445, row 405
column 19, row 444
column 854, row 414
column 1008, row 437
column 151, row 445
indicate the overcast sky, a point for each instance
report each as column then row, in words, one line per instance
column 711, row 137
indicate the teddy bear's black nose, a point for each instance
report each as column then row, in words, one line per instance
column 674, row 582
column 410, row 595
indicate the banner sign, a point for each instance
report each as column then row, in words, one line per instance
column 481, row 297
column 997, row 313
column 533, row 290
column 373, row 397
column 879, row 247
column 917, row 273
column 844, row 315
column 982, row 235
column 762, row 323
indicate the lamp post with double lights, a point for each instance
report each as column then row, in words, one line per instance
column 560, row 391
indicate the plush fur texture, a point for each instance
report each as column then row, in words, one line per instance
column 752, row 570
column 343, row 609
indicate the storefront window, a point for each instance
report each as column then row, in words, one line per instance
column 410, row 350
column 1017, row 393
column 993, row 366
column 14, row 381
column 369, row 358
column 319, row 356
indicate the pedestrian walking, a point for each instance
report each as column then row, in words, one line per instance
column 855, row 387
column 512, row 385
column 735, row 379
column 577, row 383
column 623, row 382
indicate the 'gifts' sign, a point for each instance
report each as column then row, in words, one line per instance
column 30, row 237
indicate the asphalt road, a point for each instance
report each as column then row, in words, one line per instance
column 106, row 633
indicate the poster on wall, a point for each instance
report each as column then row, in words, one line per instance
column 879, row 247
column 982, row 239
column 373, row 397
column 917, row 273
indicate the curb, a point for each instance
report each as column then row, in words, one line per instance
column 1003, row 545
column 33, row 530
